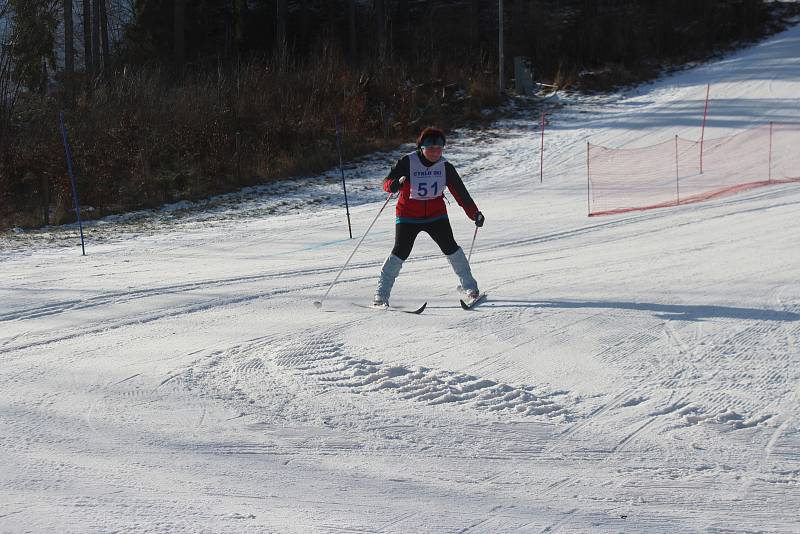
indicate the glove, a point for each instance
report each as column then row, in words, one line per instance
column 479, row 219
column 396, row 184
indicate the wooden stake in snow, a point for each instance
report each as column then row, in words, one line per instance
column 541, row 153
column 68, row 154
column 703, row 128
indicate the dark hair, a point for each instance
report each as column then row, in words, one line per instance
column 431, row 132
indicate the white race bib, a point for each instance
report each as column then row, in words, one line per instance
column 426, row 182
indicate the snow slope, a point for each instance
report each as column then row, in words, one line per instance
column 633, row 373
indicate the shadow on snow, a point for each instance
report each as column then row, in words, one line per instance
column 681, row 312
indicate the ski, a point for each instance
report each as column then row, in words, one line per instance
column 469, row 304
column 416, row 311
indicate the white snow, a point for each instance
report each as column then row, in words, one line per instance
column 632, row 373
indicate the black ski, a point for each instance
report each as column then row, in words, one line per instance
column 416, row 311
column 469, row 304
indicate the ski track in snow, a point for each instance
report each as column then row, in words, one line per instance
column 324, row 361
column 634, row 373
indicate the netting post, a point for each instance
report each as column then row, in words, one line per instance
column 769, row 162
column 541, row 154
column 75, row 200
column 677, row 173
column 341, row 169
column 703, row 128
column 588, row 182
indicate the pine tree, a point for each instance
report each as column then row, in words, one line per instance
column 33, row 41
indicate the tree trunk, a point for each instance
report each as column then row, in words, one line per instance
column 179, row 26
column 240, row 16
column 518, row 27
column 474, row 28
column 351, row 29
column 280, row 26
column 380, row 16
column 88, row 62
column 104, row 39
column 401, row 27
column 331, row 13
column 501, row 59
column 69, row 53
column 380, row 27
column 305, row 23
column 96, row 37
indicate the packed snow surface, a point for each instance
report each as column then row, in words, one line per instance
column 631, row 373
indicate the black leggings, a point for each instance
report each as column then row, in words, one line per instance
column 406, row 233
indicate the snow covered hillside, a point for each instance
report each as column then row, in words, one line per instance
column 631, row 373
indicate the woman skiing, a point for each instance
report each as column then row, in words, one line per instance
column 421, row 208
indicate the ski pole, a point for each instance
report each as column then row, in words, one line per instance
column 318, row 303
column 473, row 244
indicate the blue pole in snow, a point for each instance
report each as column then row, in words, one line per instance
column 75, row 201
column 341, row 168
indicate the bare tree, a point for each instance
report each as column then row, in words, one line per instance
column 120, row 15
column 9, row 87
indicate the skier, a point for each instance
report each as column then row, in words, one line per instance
column 421, row 208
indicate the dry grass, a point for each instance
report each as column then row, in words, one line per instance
column 144, row 140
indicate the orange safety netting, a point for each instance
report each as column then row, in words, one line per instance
column 682, row 171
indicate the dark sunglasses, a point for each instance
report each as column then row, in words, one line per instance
column 432, row 141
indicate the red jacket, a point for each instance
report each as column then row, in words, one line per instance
column 423, row 210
